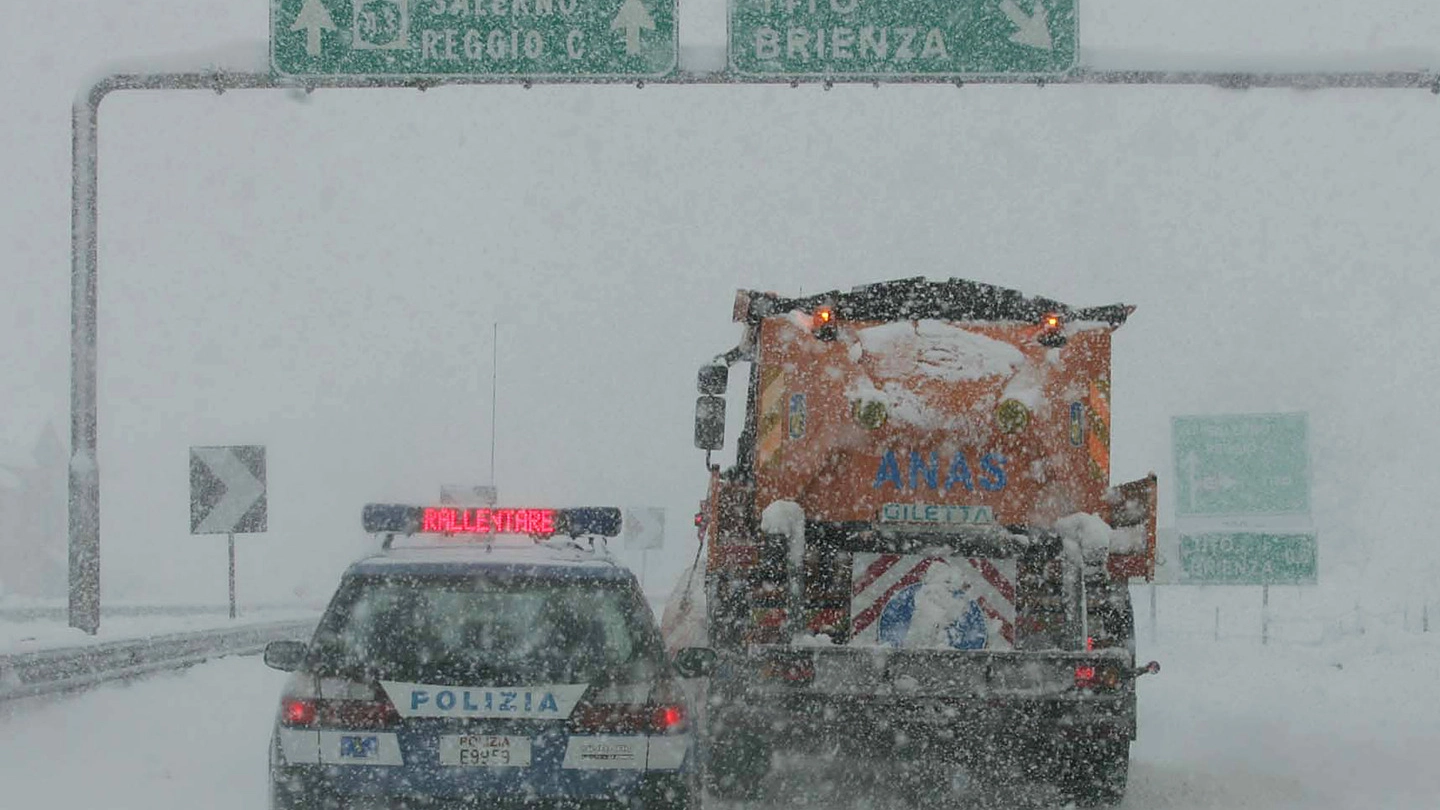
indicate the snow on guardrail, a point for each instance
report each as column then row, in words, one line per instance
column 67, row 668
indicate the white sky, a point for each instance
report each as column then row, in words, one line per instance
column 320, row 275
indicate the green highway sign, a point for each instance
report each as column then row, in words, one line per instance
column 439, row 38
column 1248, row 558
column 1257, row 464
column 897, row 38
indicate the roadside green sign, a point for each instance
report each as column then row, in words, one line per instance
column 1255, row 464
column 425, row 38
column 1248, row 558
column 896, row 38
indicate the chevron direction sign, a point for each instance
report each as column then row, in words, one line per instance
column 227, row 490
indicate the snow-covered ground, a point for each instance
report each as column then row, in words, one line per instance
column 28, row 635
column 1350, row 723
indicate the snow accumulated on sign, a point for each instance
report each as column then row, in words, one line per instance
column 937, row 349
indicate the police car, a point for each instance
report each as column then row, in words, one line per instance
column 497, row 660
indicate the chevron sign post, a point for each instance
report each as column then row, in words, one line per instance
column 227, row 495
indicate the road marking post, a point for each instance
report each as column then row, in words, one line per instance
column 1265, row 615
column 232, row 575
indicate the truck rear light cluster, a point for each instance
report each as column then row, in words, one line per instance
column 1103, row 678
column 795, row 670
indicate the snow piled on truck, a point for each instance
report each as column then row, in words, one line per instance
column 935, row 349
column 1089, row 535
column 787, row 518
column 904, row 405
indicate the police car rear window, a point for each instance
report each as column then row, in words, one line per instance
column 483, row 632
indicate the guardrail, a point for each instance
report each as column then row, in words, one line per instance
column 68, row 668
column 60, row 612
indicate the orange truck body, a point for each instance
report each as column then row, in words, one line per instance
column 918, row 552
column 978, row 421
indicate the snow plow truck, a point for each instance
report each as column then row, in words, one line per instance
column 917, row 554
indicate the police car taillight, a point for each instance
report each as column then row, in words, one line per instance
column 357, row 714
column 667, row 714
column 297, row 712
column 626, row 710
column 667, row 720
column 337, row 704
column 298, row 703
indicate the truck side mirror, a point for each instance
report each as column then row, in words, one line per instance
column 713, row 379
column 710, row 422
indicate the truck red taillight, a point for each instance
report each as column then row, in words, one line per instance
column 1101, row 678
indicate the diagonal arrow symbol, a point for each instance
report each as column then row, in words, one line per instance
column 1034, row 28
column 242, row 490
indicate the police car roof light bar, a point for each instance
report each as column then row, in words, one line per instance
column 392, row 519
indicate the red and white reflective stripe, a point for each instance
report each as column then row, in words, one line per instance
column 877, row 578
column 994, row 593
column 865, row 608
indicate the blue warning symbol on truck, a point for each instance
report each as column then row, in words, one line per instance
column 966, row 632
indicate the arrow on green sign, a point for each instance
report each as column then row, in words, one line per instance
column 631, row 18
column 313, row 19
column 1034, row 29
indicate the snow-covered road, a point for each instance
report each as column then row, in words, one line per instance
column 1229, row 724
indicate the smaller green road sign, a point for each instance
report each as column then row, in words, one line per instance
column 438, row 38
column 896, row 38
column 1248, row 558
column 1256, row 464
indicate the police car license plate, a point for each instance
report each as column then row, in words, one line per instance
column 485, row 751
